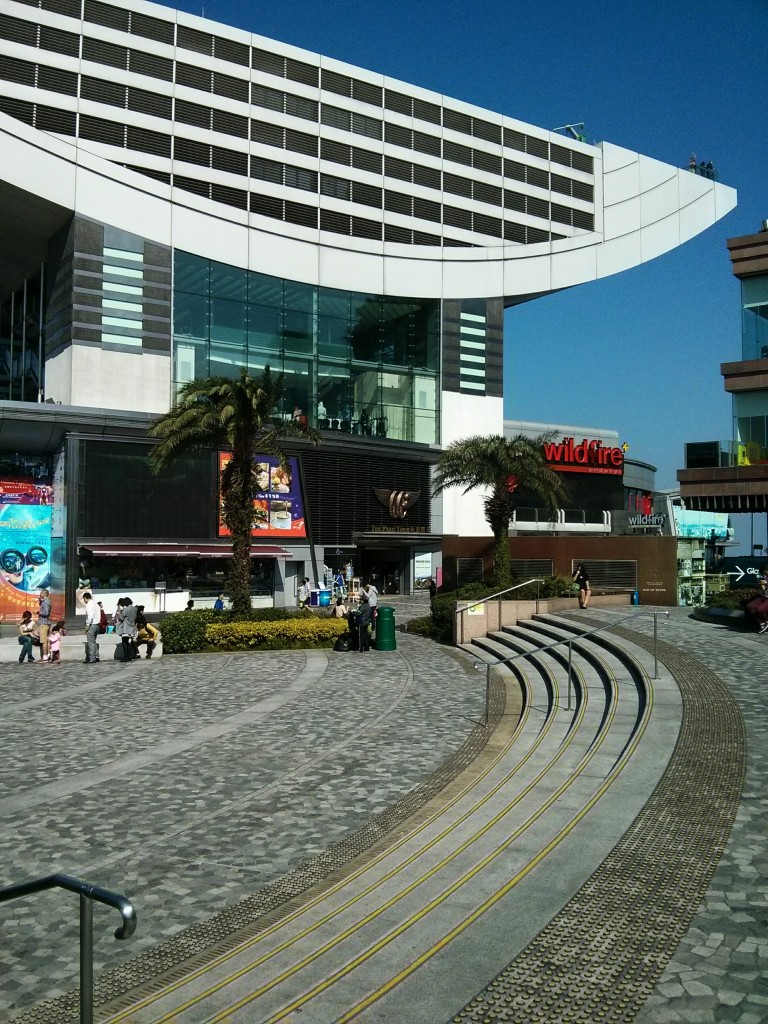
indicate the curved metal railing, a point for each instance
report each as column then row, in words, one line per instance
column 493, row 597
column 488, row 665
column 88, row 894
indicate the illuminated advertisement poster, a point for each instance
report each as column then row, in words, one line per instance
column 25, row 548
column 277, row 503
column 703, row 525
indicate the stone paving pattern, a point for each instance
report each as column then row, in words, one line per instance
column 157, row 833
column 116, row 774
column 720, row 970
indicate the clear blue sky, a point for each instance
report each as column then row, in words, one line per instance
column 639, row 352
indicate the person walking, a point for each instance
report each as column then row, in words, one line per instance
column 581, row 577
column 92, row 617
column 303, row 592
column 26, row 632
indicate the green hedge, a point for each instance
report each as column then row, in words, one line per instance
column 731, row 600
column 185, row 632
column 290, row 634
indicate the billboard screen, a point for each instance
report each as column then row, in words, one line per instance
column 277, row 501
column 25, row 545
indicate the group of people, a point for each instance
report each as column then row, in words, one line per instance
column 130, row 624
column 361, row 620
column 40, row 633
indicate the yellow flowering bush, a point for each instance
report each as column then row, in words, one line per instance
column 287, row 634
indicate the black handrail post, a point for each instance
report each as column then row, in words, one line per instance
column 87, row 894
column 570, row 659
column 86, row 960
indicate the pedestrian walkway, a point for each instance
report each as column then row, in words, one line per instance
column 214, row 789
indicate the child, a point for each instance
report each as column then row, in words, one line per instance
column 57, row 632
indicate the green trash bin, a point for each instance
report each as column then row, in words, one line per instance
column 385, row 629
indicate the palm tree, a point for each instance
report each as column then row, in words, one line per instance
column 233, row 413
column 502, row 466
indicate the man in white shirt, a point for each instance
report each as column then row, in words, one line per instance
column 372, row 596
column 92, row 622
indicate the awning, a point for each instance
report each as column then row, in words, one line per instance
column 117, row 550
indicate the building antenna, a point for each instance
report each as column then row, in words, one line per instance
column 576, row 131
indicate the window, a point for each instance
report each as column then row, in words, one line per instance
column 369, row 126
column 298, row 106
column 271, row 99
column 299, row 177
column 335, row 117
column 266, row 170
column 337, row 188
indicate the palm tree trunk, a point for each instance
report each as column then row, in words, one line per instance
column 502, row 575
column 238, row 504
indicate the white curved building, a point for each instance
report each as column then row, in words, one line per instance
column 179, row 198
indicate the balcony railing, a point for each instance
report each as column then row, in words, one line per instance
column 572, row 520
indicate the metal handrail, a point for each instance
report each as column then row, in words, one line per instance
column 500, row 594
column 88, row 893
column 488, row 665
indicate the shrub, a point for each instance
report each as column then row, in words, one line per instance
column 307, row 631
column 422, row 626
column 731, row 600
column 184, row 632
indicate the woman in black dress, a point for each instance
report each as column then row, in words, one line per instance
column 581, row 576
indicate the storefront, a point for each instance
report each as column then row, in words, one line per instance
column 83, row 510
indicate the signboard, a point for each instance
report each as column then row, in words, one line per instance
column 742, row 572
column 585, row 457
column 277, row 501
column 25, row 545
column 422, row 565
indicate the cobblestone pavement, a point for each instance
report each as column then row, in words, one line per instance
column 720, row 970
column 190, row 782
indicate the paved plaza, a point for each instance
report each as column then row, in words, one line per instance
column 192, row 783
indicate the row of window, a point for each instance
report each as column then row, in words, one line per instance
column 189, row 151
column 231, row 161
column 141, row 62
column 226, row 122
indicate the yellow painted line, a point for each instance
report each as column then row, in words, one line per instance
column 454, row 887
column 390, row 875
column 126, row 1015
column 505, row 889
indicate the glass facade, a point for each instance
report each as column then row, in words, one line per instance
column 355, row 363
column 21, row 343
column 754, row 305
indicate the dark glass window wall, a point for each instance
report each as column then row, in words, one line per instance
column 363, row 364
column 21, row 343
